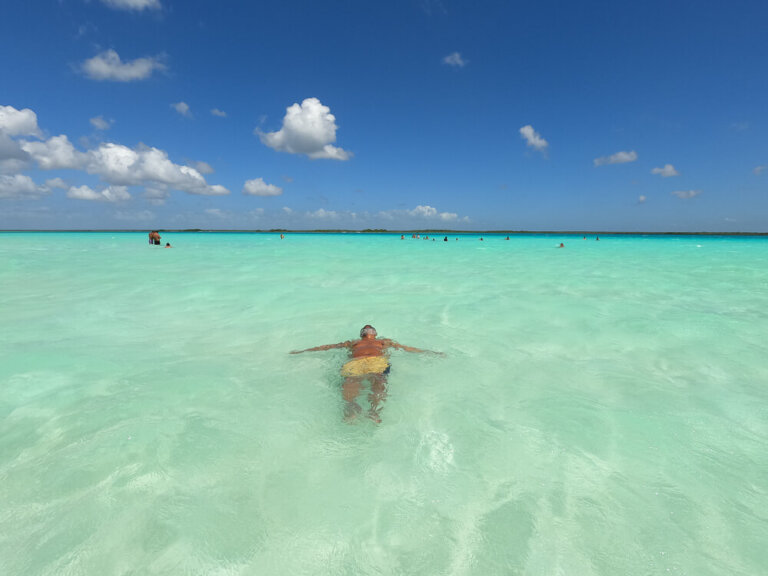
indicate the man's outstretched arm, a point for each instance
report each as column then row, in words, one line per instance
column 323, row 347
column 398, row 346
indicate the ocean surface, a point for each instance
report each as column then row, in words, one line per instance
column 601, row 409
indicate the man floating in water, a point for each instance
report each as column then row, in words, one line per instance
column 369, row 362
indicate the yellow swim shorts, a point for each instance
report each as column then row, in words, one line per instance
column 367, row 365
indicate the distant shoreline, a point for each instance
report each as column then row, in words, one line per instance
column 415, row 231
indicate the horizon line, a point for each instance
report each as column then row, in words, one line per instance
column 386, row 231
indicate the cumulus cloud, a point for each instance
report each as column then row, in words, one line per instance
column 100, row 123
column 137, row 5
column 665, row 172
column 19, row 186
column 641, row 199
column 455, row 60
column 219, row 113
column 425, row 211
column 13, row 158
column 308, row 128
column 116, row 165
column 686, row 194
column 257, row 187
column 156, row 195
column 758, row 170
column 56, row 183
column 182, row 108
column 218, row 212
column 618, row 158
column 108, row 194
column 204, row 168
column 422, row 212
column 533, row 138
column 15, row 122
column 55, row 153
column 109, row 66
column 120, row 165
column 323, row 214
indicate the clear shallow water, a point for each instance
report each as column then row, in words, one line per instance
column 602, row 409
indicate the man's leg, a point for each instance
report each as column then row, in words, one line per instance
column 377, row 396
column 349, row 391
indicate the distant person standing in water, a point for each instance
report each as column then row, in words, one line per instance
column 369, row 362
column 154, row 238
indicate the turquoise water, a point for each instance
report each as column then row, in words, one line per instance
column 601, row 409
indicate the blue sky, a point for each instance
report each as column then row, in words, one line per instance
column 410, row 114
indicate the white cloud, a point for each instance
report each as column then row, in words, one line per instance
column 758, row 170
column 99, row 123
column 423, row 213
column 55, row 153
column 685, row 194
column 256, row 212
column 119, row 165
column 156, row 195
column 287, row 210
column 218, row 212
column 533, row 138
column 138, row 5
column 618, row 158
column 115, row 193
column 182, row 108
column 665, row 172
column 20, row 186
column 13, row 158
column 323, row 214
column 56, row 183
column 204, row 168
column 115, row 164
column 258, row 187
column 455, row 60
column 15, row 122
column 308, row 128
column 146, row 166
column 109, row 66
column 219, row 113
column 108, row 194
column 641, row 199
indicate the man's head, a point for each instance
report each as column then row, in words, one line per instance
column 367, row 330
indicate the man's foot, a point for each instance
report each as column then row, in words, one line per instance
column 351, row 411
column 374, row 415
